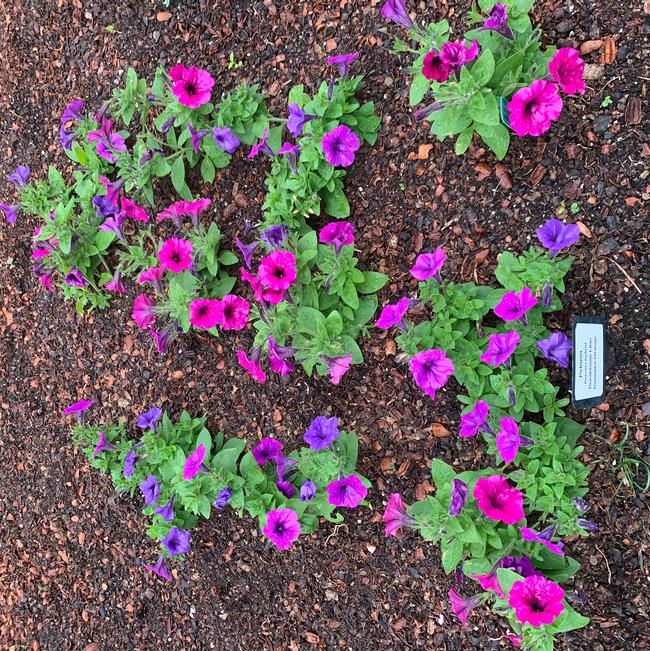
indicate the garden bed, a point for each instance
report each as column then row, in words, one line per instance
column 72, row 575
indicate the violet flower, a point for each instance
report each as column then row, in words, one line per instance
column 267, row 449
column 66, row 138
column 555, row 236
column 164, row 337
column 78, row 408
column 247, row 251
column 274, row 237
column 286, row 488
column 150, row 489
column 196, row 136
column 114, row 224
column 424, row 112
column 307, row 491
column 129, row 463
column 103, row 445
column 177, row 541
column 225, row 139
column 223, row 497
column 587, row 525
column 547, row 295
column 103, row 206
column 10, row 212
column 556, row 348
column 346, row 492
column 72, row 111
column 458, row 497
column 160, row 569
column 497, row 21
column 291, row 151
column 475, row 420
column 74, row 278
column 340, row 145
column 500, row 348
column 149, row 420
column 297, row 119
column 393, row 315
column 395, row 10
column 343, row 61
column 167, row 511
column 20, row 177
column 261, row 147
column 166, row 125
column 544, row 538
column 322, row 432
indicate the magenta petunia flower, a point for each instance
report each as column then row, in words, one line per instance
column 45, row 279
column 536, row 600
column 339, row 234
column 567, row 68
column 115, row 284
column 498, row 500
column 533, row 108
column 192, row 86
column 252, row 365
column 429, row 264
column 393, row 315
column 103, row 445
column 194, row 463
column 555, row 235
column 74, row 278
column 297, row 119
column 167, row 511
column 112, row 189
column 278, row 356
column 337, row 367
column 434, row 68
column 508, row 439
column 277, row 270
column 497, row 21
column 77, row 408
column 340, row 145
column 457, row 54
column 431, row 370
column 282, row 527
column 556, row 348
column 395, row 10
column 267, row 449
column 458, row 497
column 173, row 212
column 150, row 489
column 474, row 421
column 395, row 516
column 194, row 209
column 160, row 569
column 462, row 607
column 260, row 147
column 152, row 275
column 347, row 492
column 108, row 141
column 205, row 313
column 544, row 538
column 144, row 311
column 177, row 541
column 196, row 135
column 322, row 432
column 500, row 348
column 514, row 305
column 175, row 254
column 233, row 312
column 225, row 139
column 343, row 61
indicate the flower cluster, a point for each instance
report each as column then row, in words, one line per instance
column 182, row 472
column 493, row 81
column 501, row 523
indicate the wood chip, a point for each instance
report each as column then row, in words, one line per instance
column 505, row 180
column 584, row 230
column 483, row 171
column 633, row 110
column 439, row 431
column 162, row 16
column 590, row 46
column 609, row 51
column 593, row 71
column 423, row 151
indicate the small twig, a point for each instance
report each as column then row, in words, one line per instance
column 609, row 571
column 625, row 274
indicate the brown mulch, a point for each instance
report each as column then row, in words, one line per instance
column 71, row 551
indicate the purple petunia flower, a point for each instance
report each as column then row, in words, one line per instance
column 225, row 139
column 177, row 541
column 555, row 236
column 267, row 449
column 346, row 492
column 474, row 421
column 150, row 418
column 497, row 21
column 160, row 569
column 196, row 136
column 395, row 10
column 103, row 445
column 339, row 234
column 431, row 370
column 261, row 146
column 164, row 337
column 129, row 463
column 426, row 111
column 167, row 511
column 514, row 305
column 343, row 61
column 274, row 237
column 112, row 190
column 10, row 212
column 340, row 145
column 74, row 278
column 282, row 527
column 429, row 264
column 508, row 439
column 458, row 497
column 113, row 224
column 393, row 315
column 166, row 125
column 322, row 432
column 20, row 177
column 297, row 119
column 286, row 488
column 278, row 356
column 66, row 138
column 587, row 525
column 194, row 463
column 556, row 348
column 582, row 505
column 544, row 538
column 461, row 606
column 500, row 348
column 150, row 490
column 72, row 111
column 247, row 251
column 103, row 206
column 547, row 295
column 223, row 497
column 307, row 491
column 78, row 408
column 291, row 151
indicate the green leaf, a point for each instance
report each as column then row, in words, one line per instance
column 373, row 281
column 452, row 553
column 483, row 68
column 507, row 578
column 419, row 88
column 463, row 141
column 227, row 258
column 569, row 620
column 103, row 240
column 349, row 295
column 496, row 137
column 336, row 204
column 207, row 170
column 441, row 473
column 178, row 175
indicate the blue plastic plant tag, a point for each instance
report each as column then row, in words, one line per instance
column 589, row 359
column 503, row 111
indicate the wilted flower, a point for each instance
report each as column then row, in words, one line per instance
column 223, row 497
column 78, row 408
column 307, row 491
column 108, row 141
column 462, row 607
column 424, row 112
column 497, row 21
column 133, row 211
column 247, row 250
column 103, row 445
column 252, row 364
column 395, row 10
column 129, row 463
column 343, row 61
column 544, row 538
column 112, row 189
column 225, row 139
column 74, row 278
column 144, row 311
column 458, row 497
column 115, row 284
column 66, row 138
column 339, row 234
column 337, row 367
column 113, row 224
column 282, row 527
column 533, row 108
column 278, row 356
column 322, row 432
column 261, row 146
column 536, row 600
column 498, row 500
column 457, row 54
column 547, row 295
column 72, row 111
column 164, row 337
column 10, row 212
column 196, row 136
column 152, row 275
column 192, row 86
column 340, row 145
column 274, row 237
column 291, row 151
column 395, row 516
column 160, row 569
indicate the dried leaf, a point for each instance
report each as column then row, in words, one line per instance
column 633, row 110
column 162, row 16
column 609, row 51
column 483, row 170
column 439, row 431
column 423, row 151
column 584, row 230
column 590, row 46
column 538, row 174
column 505, row 180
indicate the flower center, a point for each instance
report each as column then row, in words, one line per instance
column 278, row 272
column 176, row 257
column 279, row 528
column 190, row 88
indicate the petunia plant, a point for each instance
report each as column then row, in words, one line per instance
column 494, row 81
column 182, row 473
column 501, row 525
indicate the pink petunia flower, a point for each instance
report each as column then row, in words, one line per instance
column 339, row 234
column 205, row 313
column 434, row 68
column 508, row 439
column 278, row 356
column 474, row 421
column 567, row 68
column 251, row 365
column 233, row 312
column 277, row 270
column 346, row 492
column 514, row 305
column 393, row 315
column 152, row 275
column 175, row 254
column 282, row 527
column 395, row 516
column 533, row 108
column 431, row 370
column 457, row 54
column 429, row 264
column 133, row 211
column 144, row 311
column 461, row 606
column 498, row 500
column 500, row 348
column 194, row 463
column 192, row 86
column 337, row 367
column 536, row 600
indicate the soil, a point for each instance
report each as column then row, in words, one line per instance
column 71, row 573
